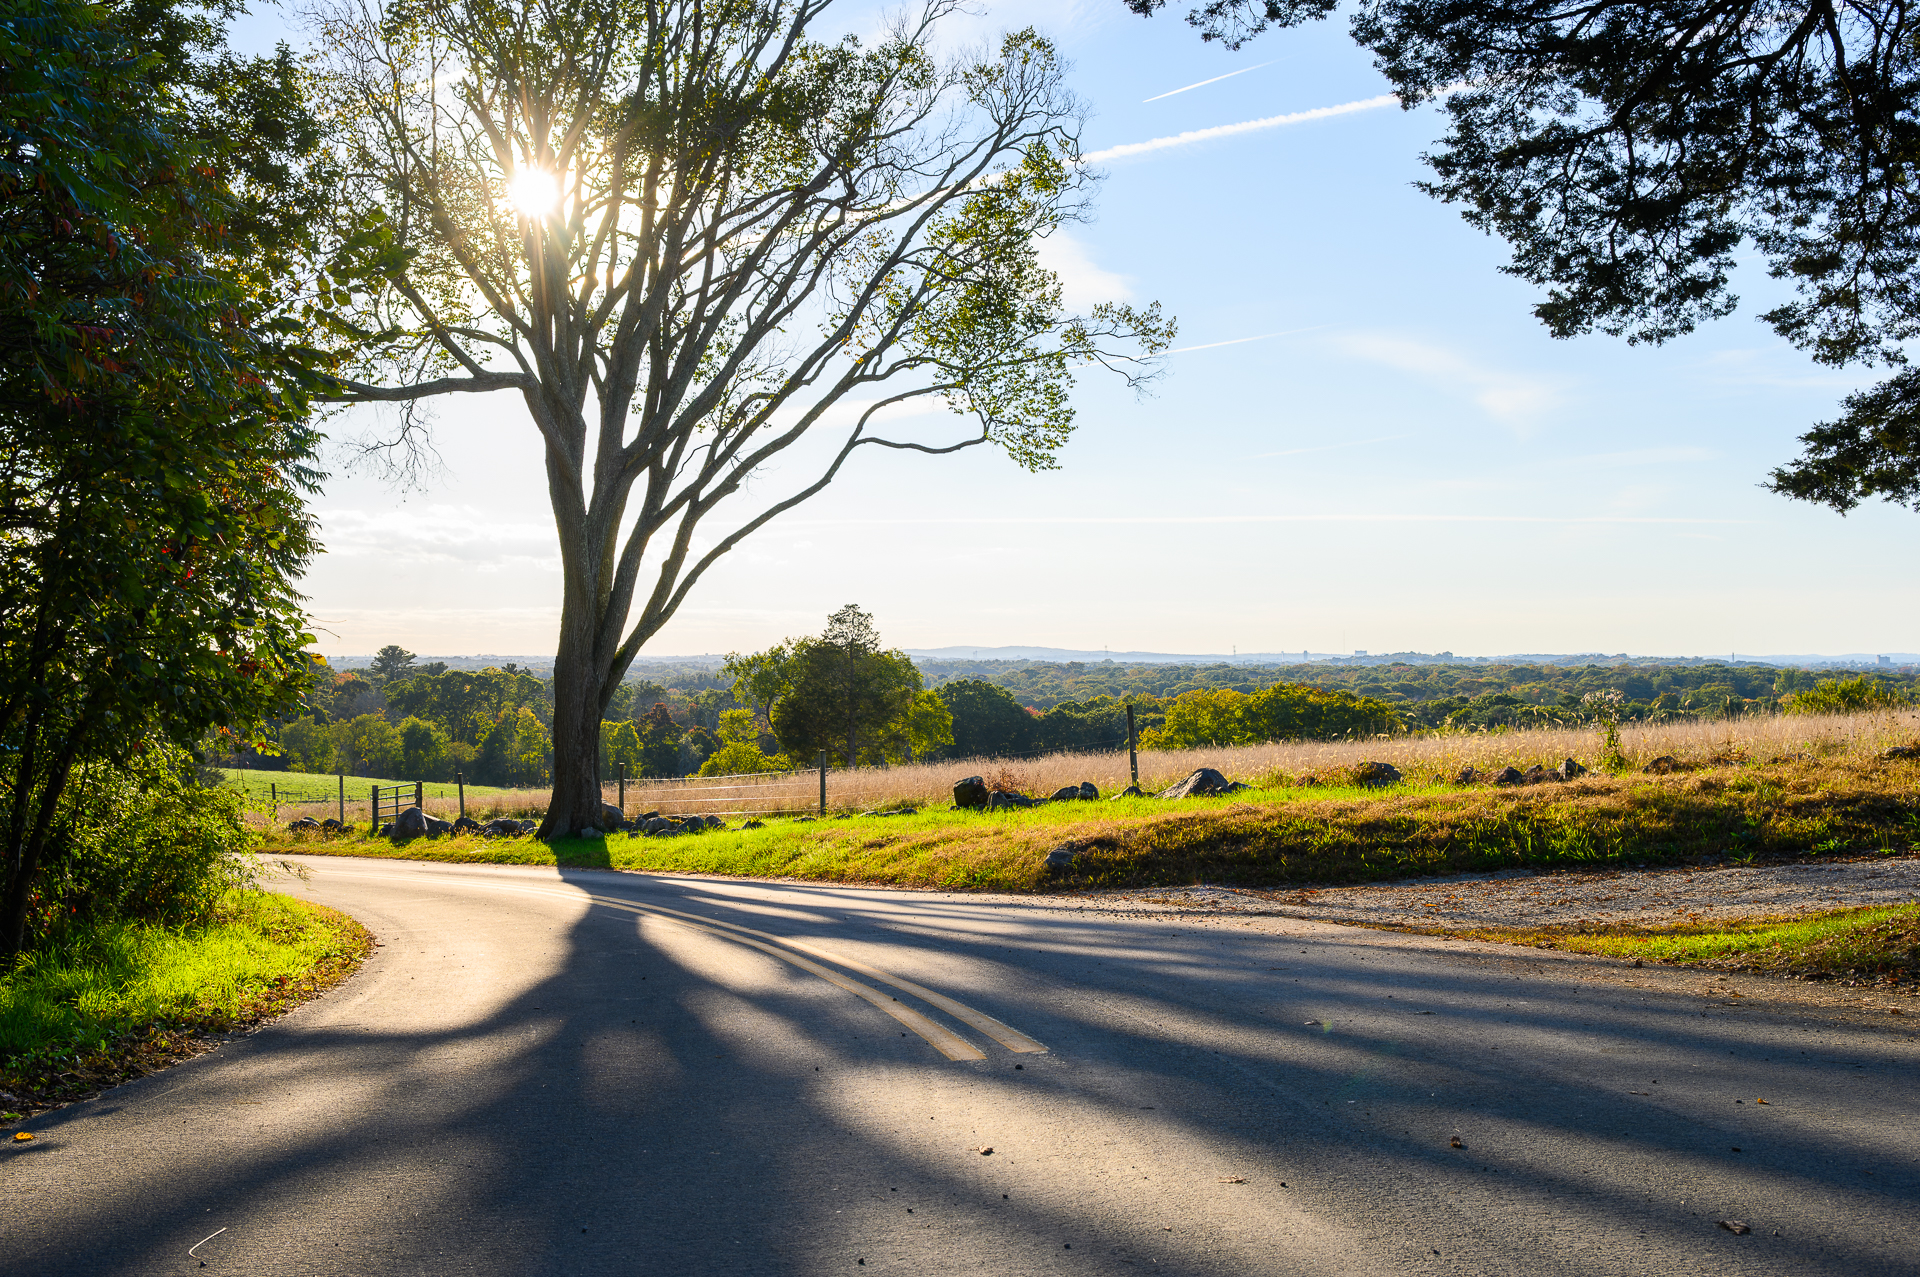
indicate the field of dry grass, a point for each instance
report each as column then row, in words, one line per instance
column 1434, row 758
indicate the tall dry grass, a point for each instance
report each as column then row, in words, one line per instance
column 1422, row 759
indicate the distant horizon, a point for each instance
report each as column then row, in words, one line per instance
column 1067, row 655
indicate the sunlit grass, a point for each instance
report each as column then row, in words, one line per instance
column 1881, row 939
column 107, row 980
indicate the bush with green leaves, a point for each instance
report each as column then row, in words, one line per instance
column 143, row 842
column 1844, row 696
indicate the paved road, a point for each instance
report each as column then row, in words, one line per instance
column 590, row 1072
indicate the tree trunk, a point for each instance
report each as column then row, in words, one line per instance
column 577, row 702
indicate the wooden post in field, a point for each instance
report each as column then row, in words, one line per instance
column 374, row 803
column 460, row 781
column 342, row 817
column 1133, row 754
column 273, row 791
column 823, row 782
column 623, row 791
column 417, row 794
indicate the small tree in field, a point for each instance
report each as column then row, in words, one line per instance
column 682, row 233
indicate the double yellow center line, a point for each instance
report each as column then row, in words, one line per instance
column 802, row 955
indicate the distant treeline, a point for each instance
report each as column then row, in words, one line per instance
column 398, row 718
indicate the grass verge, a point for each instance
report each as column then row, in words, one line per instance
column 1274, row 837
column 1878, row 947
column 122, row 1001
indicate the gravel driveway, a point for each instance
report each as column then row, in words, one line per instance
column 1521, row 898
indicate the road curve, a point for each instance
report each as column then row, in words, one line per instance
column 589, row 1072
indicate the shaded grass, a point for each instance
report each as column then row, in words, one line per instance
column 1881, row 941
column 118, row 1001
column 1275, row 837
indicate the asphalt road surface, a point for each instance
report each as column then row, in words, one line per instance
column 587, row 1072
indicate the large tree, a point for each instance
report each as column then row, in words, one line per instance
column 1628, row 149
column 682, row 233
column 846, row 695
column 154, row 455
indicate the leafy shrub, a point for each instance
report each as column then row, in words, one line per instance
column 1844, row 696
column 144, row 843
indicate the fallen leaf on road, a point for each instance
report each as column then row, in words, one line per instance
column 1759, row 1101
column 1231, row 1179
column 23, row 1137
column 1455, row 1143
column 986, row 1152
column 1734, row 1226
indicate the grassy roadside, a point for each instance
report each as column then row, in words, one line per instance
column 1873, row 947
column 123, row 1001
column 1276, row 837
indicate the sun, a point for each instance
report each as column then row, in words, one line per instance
column 534, row 192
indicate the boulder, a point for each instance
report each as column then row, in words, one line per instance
column 1132, row 791
column 970, row 792
column 1060, row 859
column 502, row 828
column 1376, row 775
column 437, row 827
column 331, row 825
column 610, row 816
column 1664, row 765
column 305, row 822
column 1088, row 792
column 1569, row 770
column 1535, row 774
column 1467, row 776
column 1066, row 794
column 755, row 824
column 468, row 825
column 1509, row 776
column 1204, row 783
column 997, row 800
column 411, row 823
column 1900, row 751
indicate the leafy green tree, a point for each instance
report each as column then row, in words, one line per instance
column 1845, row 696
column 425, row 751
column 308, row 746
column 517, row 751
column 389, row 663
column 367, row 746
column 620, row 750
column 682, row 235
column 659, row 738
column 1631, row 151
column 844, row 694
column 468, row 703
column 988, row 722
column 152, row 408
column 697, row 744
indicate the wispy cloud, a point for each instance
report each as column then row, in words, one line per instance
column 1082, row 282
column 1512, row 397
column 439, row 535
column 1328, row 447
column 1204, row 83
column 1189, row 138
column 1241, row 341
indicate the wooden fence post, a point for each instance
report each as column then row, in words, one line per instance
column 823, row 782
column 623, row 791
column 375, row 805
column 273, row 791
column 1133, row 756
column 418, row 794
column 460, row 780
column 342, row 817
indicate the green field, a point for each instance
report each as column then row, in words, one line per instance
column 1271, row 837
column 314, row 787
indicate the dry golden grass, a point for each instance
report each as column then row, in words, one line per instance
column 1431, row 758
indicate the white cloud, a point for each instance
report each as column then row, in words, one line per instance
column 439, row 535
column 1083, row 283
column 1512, row 397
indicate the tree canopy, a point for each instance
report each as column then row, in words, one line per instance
column 153, row 403
column 1628, row 150
column 685, row 234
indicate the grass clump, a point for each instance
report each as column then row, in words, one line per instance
column 113, row 1001
column 1879, row 944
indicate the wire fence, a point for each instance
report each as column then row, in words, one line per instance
column 740, row 794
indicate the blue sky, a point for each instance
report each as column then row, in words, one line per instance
column 1366, row 440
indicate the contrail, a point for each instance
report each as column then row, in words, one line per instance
column 1251, row 126
column 1204, row 83
column 1239, row 341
